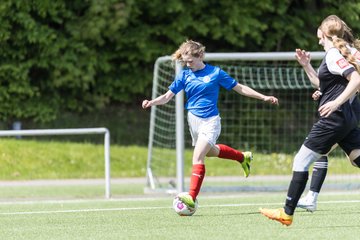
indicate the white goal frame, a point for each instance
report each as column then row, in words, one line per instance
column 180, row 143
column 72, row 131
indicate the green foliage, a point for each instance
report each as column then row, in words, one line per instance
column 56, row 56
column 78, row 56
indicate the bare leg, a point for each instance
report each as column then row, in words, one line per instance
column 202, row 147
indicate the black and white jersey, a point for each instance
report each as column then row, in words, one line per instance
column 332, row 74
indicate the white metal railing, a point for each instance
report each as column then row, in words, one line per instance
column 71, row 131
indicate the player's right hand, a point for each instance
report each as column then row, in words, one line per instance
column 302, row 57
column 146, row 104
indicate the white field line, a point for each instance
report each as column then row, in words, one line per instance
column 156, row 208
column 147, row 198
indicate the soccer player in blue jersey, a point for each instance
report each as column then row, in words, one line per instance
column 309, row 202
column 338, row 79
column 201, row 83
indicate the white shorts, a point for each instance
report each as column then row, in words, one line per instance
column 206, row 128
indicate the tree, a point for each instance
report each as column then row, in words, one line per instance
column 78, row 56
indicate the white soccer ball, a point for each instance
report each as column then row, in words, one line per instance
column 181, row 208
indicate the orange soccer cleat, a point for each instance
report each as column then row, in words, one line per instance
column 277, row 215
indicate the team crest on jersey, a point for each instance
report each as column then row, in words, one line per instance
column 342, row 63
column 206, row 79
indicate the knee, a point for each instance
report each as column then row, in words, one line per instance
column 356, row 162
column 213, row 152
column 299, row 165
column 303, row 160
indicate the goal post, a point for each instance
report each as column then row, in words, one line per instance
column 247, row 123
column 72, row 131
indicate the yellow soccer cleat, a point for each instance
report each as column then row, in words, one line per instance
column 277, row 215
column 186, row 199
column 248, row 157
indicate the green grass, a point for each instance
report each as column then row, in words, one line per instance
column 29, row 159
column 76, row 211
column 218, row 217
column 64, row 191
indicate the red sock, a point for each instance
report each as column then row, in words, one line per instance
column 230, row 153
column 197, row 176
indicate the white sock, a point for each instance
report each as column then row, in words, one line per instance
column 312, row 196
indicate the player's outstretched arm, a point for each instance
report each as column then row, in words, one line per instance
column 163, row 99
column 304, row 59
column 249, row 92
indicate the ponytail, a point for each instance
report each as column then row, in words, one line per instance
column 341, row 45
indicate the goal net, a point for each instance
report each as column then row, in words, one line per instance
column 247, row 124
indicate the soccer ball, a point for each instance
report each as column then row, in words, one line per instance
column 181, row 208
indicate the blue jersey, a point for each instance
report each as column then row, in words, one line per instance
column 202, row 89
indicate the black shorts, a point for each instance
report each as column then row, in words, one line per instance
column 340, row 127
column 351, row 141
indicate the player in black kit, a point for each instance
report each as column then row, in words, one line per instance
column 309, row 201
column 337, row 123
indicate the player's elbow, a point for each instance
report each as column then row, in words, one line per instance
column 168, row 96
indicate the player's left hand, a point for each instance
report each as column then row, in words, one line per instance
column 328, row 108
column 271, row 99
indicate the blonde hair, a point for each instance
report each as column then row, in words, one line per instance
column 337, row 31
column 189, row 47
column 349, row 37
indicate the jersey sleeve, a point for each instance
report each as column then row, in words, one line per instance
column 356, row 54
column 178, row 84
column 226, row 81
column 337, row 64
